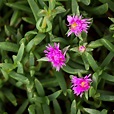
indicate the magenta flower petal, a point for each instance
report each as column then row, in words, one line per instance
column 80, row 85
column 77, row 25
column 55, row 56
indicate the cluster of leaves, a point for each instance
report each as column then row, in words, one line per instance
column 31, row 86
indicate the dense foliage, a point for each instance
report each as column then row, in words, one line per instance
column 30, row 83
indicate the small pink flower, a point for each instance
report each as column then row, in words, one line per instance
column 77, row 25
column 80, row 85
column 55, row 56
column 82, row 48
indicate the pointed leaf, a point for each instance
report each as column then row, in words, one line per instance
column 29, row 20
column 43, row 59
column 31, row 109
column 60, row 39
column 19, row 77
column 34, row 7
column 14, row 18
column 52, row 4
column 99, row 10
column 22, row 107
column 108, row 44
column 46, row 109
column 9, row 95
column 73, row 107
column 110, row 3
column 8, row 46
column 104, row 97
column 35, row 41
column 86, row 2
column 60, row 78
column 20, row 53
column 20, row 68
column 104, row 111
column 91, row 111
column 70, row 70
column 75, row 7
column 39, row 88
column 54, row 95
column 91, row 61
column 108, row 59
column 57, row 108
column 19, row 6
column 107, row 77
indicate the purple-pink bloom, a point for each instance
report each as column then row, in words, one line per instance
column 82, row 48
column 80, row 85
column 77, row 25
column 55, row 56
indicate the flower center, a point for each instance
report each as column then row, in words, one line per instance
column 73, row 26
column 83, row 84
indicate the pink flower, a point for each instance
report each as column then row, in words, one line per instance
column 55, row 56
column 80, row 85
column 82, row 48
column 77, row 25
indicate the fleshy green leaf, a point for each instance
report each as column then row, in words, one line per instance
column 59, row 9
column 34, row 7
column 19, row 77
column 39, row 107
column 43, row 100
column 8, row 46
column 104, row 111
column 107, row 77
column 9, row 30
column 9, row 95
column 60, row 78
column 5, row 74
column 91, row 111
column 43, row 59
column 50, row 82
column 59, row 39
column 29, row 20
column 86, row 2
column 22, row 107
column 57, row 107
column 46, row 109
column 54, row 95
column 92, row 92
column 39, row 88
column 108, row 44
column 70, row 70
column 35, row 41
column 31, row 109
column 73, row 107
column 20, row 68
column 99, row 10
column 15, row 18
column 85, row 62
column 19, row 6
column 91, row 61
column 110, row 3
column 52, row 4
column 108, row 59
column 75, row 7
column 109, row 98
column 7, row 66
column 20, row 53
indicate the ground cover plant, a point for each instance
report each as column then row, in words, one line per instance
column 56, row 56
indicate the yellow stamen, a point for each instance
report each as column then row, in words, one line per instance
column 73, row 25
column 83, row 84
